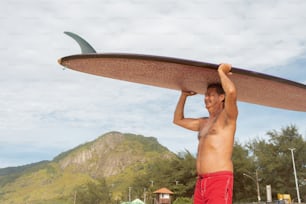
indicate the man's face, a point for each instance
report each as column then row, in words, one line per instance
column 212, row 98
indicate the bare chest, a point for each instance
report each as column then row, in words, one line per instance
column 210, row 127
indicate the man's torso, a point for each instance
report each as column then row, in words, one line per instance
column 216, row 137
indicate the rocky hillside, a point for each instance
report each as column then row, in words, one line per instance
column 110, row 156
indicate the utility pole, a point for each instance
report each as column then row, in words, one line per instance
column 75, row 195
column 144, row 195
column 296, row 180
column 130, row 188
column 257, row 184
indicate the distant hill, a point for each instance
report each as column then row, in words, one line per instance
column 115, row 156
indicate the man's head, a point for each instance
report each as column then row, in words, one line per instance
column 217, row 86
column 214, row 95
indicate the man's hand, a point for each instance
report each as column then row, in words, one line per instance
column 225, row 68
column 188, row 93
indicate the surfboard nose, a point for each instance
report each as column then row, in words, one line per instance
column 63, row 61
column 60, row 61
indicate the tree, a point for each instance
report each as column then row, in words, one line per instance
column 93, row 193
column 177, row 174
column 183, row 200
column 273, row 159
column 244, row 188
column 184, row 173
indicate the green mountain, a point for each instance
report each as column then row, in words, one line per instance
column 118, row 158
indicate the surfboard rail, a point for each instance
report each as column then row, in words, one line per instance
column 178, row 61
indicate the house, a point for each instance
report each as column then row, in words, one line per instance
column 163, row 196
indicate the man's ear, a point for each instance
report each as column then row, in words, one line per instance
column 222, row 97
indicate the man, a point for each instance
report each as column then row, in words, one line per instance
column 216, row 137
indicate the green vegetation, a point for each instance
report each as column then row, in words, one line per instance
column 93, row 193
column 183, row 200
column 117, row 165
column 178, row 175
column 272, row 159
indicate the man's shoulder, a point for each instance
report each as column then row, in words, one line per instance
column 203, row 121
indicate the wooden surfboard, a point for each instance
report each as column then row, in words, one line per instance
column 188, row 75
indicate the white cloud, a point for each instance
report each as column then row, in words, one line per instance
column 43, row 105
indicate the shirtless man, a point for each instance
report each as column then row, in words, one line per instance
column 216, row 137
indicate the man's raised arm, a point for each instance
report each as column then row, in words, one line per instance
column 179, row 118
column 229, row 88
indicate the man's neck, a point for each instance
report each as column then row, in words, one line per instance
column 214, row 111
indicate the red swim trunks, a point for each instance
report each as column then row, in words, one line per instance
column 214, row 188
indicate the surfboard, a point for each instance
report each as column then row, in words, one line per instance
column 188, row 75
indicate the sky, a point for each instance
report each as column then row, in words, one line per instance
column 46, row 110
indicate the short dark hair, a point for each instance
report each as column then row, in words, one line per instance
column 217, row 86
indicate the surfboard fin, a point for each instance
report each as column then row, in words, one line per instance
column 86, row 48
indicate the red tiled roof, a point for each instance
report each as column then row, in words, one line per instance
column 163, row 190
